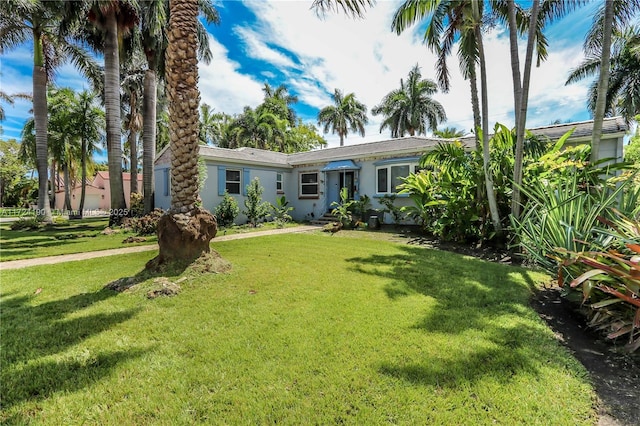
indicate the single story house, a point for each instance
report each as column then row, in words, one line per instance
column 97, row 192
column 312, row 180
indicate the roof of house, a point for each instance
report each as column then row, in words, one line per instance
column 406, row 146
column 125, row 176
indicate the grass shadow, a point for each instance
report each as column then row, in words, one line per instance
column 486, row 302
column 32, row 333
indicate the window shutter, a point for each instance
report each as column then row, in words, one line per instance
column 246, row 180
column 222, row 179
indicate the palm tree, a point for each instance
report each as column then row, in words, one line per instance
column 448, row 133
column 154, row 15
column 346, row 114
column 624, row 76
column 613, row 15
column 410, row 108
column 448, row 22
column 354, row 8
column 132, row 85
column 278, row 101
column 39, row 21
column 185, row 232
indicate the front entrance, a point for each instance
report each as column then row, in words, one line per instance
column 336, row 180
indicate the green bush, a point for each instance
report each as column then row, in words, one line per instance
column 227, row 210
column 29, row 223
column 136, row 208
column 280, row 211
column 255, row 209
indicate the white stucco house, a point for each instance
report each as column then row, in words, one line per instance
column 311, row 180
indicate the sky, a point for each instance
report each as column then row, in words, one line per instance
column 285, row 42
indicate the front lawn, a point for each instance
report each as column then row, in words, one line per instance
column 79, row 236
column 305, row 329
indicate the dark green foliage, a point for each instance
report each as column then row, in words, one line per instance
column 343, row 209
column 256, row 209
column 388, row 201
column 227, row 210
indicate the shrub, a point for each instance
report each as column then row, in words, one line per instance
column 30, row 223
column 146, row 225
column 136, row 208
column 280, row 211
column 227, row 210
column 342, row 209
column 388, row 201
column 256, row 209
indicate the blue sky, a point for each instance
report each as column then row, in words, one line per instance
column 284, row 42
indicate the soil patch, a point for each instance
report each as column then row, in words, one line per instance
column 615, row 374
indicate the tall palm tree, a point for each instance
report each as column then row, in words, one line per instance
column 355, row 8
column 448, row 22
column 346, row 113
column 184, row 233
column 613, row 15
column 278, row 101
column 39, row 21
column 154, row 16
column 410, row 108
column 624, row 77
column 132, row 87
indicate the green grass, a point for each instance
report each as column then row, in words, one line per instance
column 79, row 236
column 306, row 329
column 76, row 236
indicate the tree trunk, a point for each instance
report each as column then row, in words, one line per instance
column 475, row 105
column 149, row 137
column 603, row 81
column 488, row 177
column 67, row 193
column 53, row 181
column 133, row 147
column 41, row 122
column 185, row 232
column 112, row 110
column 341, row 139
column 522, row 105
column 83, row 178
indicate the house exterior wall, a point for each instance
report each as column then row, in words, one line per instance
column 309, row 189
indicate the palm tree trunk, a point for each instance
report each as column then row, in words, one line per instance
column 488, row 177
column 53, row 180
column 183, row 234
column 521, row 122
column 341, row 139
column 67, row 193
column 83, row 179
column 133, row 156
column 149, row 137
column 603, row 82
column 112, row 110
column 40, row 118
column 475, row 105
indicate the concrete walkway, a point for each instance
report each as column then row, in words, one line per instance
column 25, row 263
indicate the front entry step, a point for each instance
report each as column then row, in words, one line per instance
column 326, row 218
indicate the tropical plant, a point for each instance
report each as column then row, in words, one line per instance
column 39, row 21
column 410, row 109
column 256, row 209
column 132, row 83
column 609, row 280
column 227, row 211
column 353, row 8
column 280, row 211
column 346, row 114
column 342, row 209
column 278, row 101
column 388, row 201
column 448, row 133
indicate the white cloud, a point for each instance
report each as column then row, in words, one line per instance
column 223, row 86
column 256, row 48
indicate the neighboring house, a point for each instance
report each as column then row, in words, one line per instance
column 97, row 192
column 311, row 180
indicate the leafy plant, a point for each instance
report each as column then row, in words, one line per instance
column 342, row 209
column 29, row 223
column 227, row 210
column 255, row 209
column 280, row 211
column 388, row 201
column 136, row 208
column 609, row 281
column 147, row 224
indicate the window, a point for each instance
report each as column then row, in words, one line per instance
column 279, row 187
column 233, row 181
column 389, row 176
column 309, row 185
column 167, row 183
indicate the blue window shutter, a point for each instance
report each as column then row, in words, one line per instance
column 166, row 182
column 222, row 179
column 246, row 179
